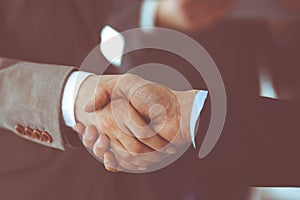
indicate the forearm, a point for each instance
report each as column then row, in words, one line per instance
column 31, row 98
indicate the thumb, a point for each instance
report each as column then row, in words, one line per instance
column 123, row 86
column 98, row 101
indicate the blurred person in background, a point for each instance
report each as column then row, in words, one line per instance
column 239, row 160
column 258, row 58
column 42, row 45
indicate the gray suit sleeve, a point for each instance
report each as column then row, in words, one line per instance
column 30, row 103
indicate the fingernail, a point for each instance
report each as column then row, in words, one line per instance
column 142, row 168
column 99, row 143
column 88, row 136
column 171, row 150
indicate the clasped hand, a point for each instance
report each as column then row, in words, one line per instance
column 130, row 123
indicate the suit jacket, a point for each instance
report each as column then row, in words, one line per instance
column 258, row 143
column 58, row 34
column 62, row 34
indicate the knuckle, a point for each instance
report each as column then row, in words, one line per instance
column 98, row 148
column 87, row 142
column 125, row 155
column 140, row 162
column 99, row 154
column 156, row 157
column 107, row 122
column 141, row 134
column 130, row 76
column 125, row 159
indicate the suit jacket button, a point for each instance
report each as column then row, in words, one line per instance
column 28, row 132
column 46, row 137
column 20, row 129
column 36, row 134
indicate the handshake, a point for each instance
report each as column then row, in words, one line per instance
column 132, row 124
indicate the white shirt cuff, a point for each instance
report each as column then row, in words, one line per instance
column 148, row 12
column 195, row 113
column 69, row 96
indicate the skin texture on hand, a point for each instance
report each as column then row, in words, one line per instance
column 191, row 15
column 166, row 111
column 141, row 117
column 100, row 129
column 99, row 144
column 125, row 146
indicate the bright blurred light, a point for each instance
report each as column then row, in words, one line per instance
column 275, row 194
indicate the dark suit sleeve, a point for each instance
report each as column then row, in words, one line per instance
column 259, row 144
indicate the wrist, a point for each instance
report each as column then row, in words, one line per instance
column 84, row 94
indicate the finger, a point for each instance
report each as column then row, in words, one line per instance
column 134, row 89
column 98, row 101
column 124, row 86
column 124, row 163
column 90, row 136
column 129, row 167
column 101, row 146
column 126, row 156
column 110, row 161
column 120, row 132
column 79, row 127
column 121, row 153
column 137, row 149
column 131, row 144
column 147, row 136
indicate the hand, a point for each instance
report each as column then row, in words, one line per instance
column 166, row 111
column 116, row 143
column 191, row 15
column 160, row 106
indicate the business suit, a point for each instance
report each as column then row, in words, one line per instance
column 258, row 145
column 62, row 34
column 74, row 174
column 59, row 33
